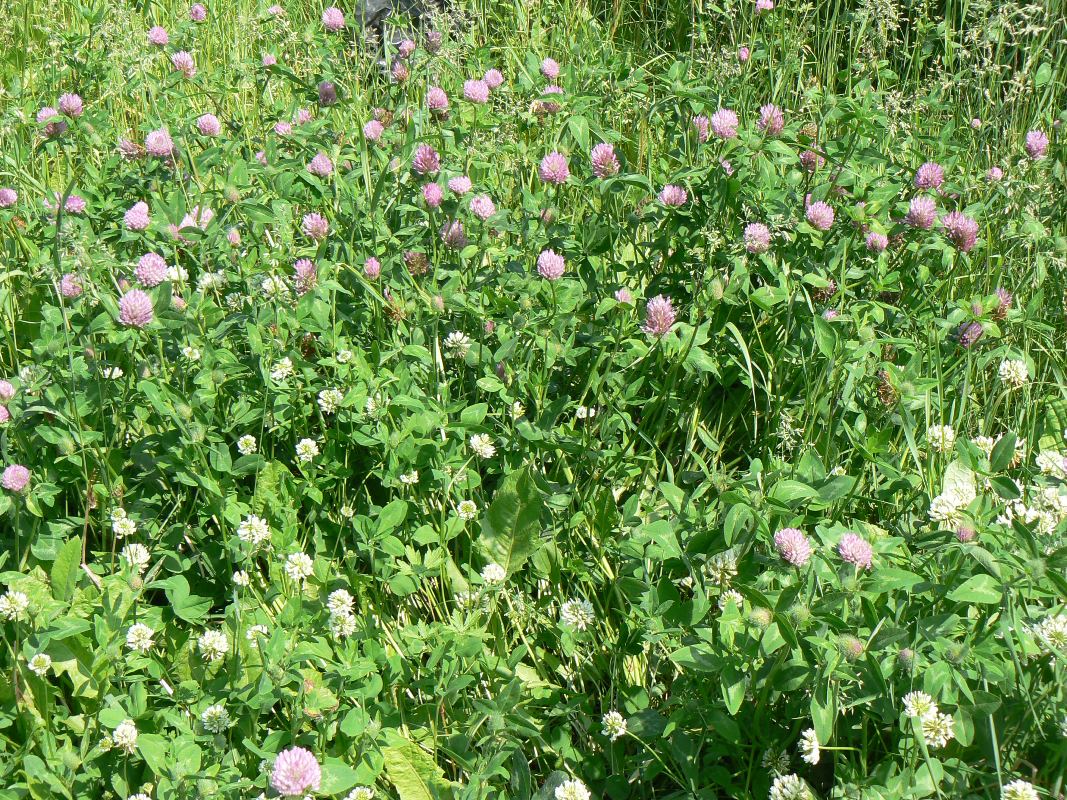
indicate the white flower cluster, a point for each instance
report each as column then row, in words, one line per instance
column 577, row 614
column 253, row 530
column 1051, row 633
column 937, row 727
column 942, row 438
column 1044, row 508
column 341, row 605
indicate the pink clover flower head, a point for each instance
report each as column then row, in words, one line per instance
column 302, row 116
column 1036, row 144
column 306, row 275
column 296, row 772
column 209, row 125
column 976, row 123
column 550, row 68
column 820, row 215
column 433, row 195
column 315, row 226
column 453, row 235
column 757, row 238
column 7, row 390
column 493, row 78
column 70, row 286
column 724, row 123
column 183, row 63
column 482, row 206
column 476, row 91
column 327, row 93
column 333, row 19
column 743, row 54
column 771, row 119
column 151, row 270
column 53, row 125
column 8, row 197
column 406, row 48
column 400, row 71
column 136, row 218
column 197, row 218
column 922, row 211
column 550, row 265
column 158, row 36
column 434, row 40
column 793, row 546
column 437, row 100
column 764, row 5
column 5, row 415
column 320, row 165
column 74, row 204
column 268, row 60
column 623, row 296
column 554, row 169
column 459, row 185
column 426, row 161
column 135, row 309
column 159, row 144
column 233, row 236
column 373, row 130
column 16, row 478
column 659, row 316
column 877, row 242
column 811, row 161
column 929, row 176
column 71, row 105
column 197, row 12
column 372, row 268
column 854, row 549
column 702, row 125
column 283, row 128
column 673, row 196
column 960, row 229
column 605, row 162
column 994, row 175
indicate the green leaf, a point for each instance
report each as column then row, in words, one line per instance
column 977, row 589
column 511, row 528
column 414, row 773
column 65, row 569
column 190, row 607
column 1003, row 453
column 337, row 777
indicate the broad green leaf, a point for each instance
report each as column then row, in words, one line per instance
column 977, row 589
column 414, row 773
column 511, row 528
column 65, row 569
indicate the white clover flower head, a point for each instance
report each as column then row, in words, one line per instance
column 247, row 445
column 722, row 568
column 274, row 287
column 730, row 596
column 283, row 370
column 330, row 400
column 191, row 353
column 467, row 510
column 494, row 574
column 1013, row 373
column 361, row 793
column 340, row 601
column 517, row 409
column 215, row 718
column 306, row 450
column 214, row 645
column 14, row 605
column 1019, row 790
column 39, row 664
column 253, row 633
column 139, row 637
column 482, row 445
column 253, row 530
column 919, row 704
column 348, row 512
column 809, row 746
column 210, row 280
column 125, row 736
column 585, row 412
column 458, row 344
column 342, row 625
column 241, row 578
column 1051, row 633
column 112, row 373
column 614, row 725
column 410, row 478
column 937, row 729
column 577, row 614
column 572, row 790
column 790, row 787
column 137, row 557
column 344, row 356
column 299, row 566
column 942, row 438
column 123, row 527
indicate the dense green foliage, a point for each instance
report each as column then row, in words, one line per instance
column 468, row 528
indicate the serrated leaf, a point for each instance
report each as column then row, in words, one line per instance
column 66, row 569
column 511, row 528
column 414, row 773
